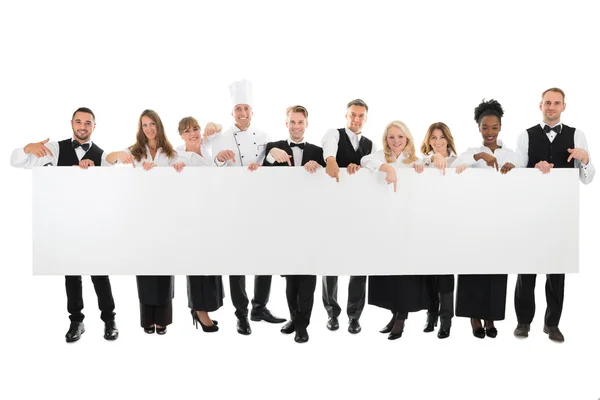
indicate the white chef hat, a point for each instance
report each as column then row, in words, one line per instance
column 241, row 93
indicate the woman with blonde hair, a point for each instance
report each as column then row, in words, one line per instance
column 205, row 293
column 400, row 294
column 152, row 149
column 439, row 152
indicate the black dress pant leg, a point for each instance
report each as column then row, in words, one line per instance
column 305, row 299
column 330, row 286
column 262, row 289
column 74, row 298
column 525, row 298
column 106, row 302
column 555, row 293
column 237, row 288
column 446, row 309
column 433, row 298
column 291, row 294
column 357, row 289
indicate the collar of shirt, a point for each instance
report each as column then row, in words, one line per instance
column 543, row 124
column 498, row 142
column 354, row 138
column 289, row 141
column 450, row 154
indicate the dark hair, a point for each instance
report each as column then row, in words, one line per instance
column 85, row 110
column 358, row 102
column 490, row 107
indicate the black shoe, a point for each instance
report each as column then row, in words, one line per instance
column 149, row 329
column 388, row 327
column 161, row 331
column 205, row 328
column 110, row 330
column 76, row 329
column 478, row 332
column 443, row 333
column 354, row 326
column 554, row 333
column 301, row 335
column 430, row 324
column 491, row 332
column 397, row 330
column 333, row 324
column 243, row 326
column 522, row 330
column 265, row 315
column 288, row 328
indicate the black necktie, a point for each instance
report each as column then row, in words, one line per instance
column 84, row 146
column 556, row 129
column 301, row 145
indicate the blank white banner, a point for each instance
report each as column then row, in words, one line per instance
column 277, row 221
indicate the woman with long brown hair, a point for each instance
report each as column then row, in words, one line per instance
column 152, row 149
column 439, row 152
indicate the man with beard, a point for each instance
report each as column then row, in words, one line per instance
column 78, row 150
column 295, row 151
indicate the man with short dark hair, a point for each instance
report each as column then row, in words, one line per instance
column 78, row 150
column 550, row 144
column 344, row 148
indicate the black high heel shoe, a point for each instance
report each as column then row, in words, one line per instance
column 478, row 332
column 161, row 331
column 491, row 331
column 149, row 330
column 205, row 328
column 398, row 334
column 389, row 326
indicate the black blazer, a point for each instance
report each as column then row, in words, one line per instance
column 310, row 153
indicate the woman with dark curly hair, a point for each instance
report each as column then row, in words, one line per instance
column 483, row 297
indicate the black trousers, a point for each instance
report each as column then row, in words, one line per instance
column 159, row 315
column 357, row 289
column 525, row 298
column 237, row 287
column 300, row 293
column 441, row 303
column 106, row 303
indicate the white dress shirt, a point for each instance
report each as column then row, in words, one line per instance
column 296, row 151
column 160, row 158
column 374, row 161
column 249, row 146
column 503, row 155
column 426, row 160
column 330, row 141
column 19, row 159
column 586, row 172
column 193, row 159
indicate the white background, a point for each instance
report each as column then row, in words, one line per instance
column 417, row 63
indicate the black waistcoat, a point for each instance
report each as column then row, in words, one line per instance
column 346, row 154
column 540, row 148
column 67, row 156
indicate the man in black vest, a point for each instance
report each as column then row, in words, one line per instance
column 78, row 150
column 548, row 145
column 344, row 148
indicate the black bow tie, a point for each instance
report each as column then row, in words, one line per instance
column 556, row 129
column 301, row 145
column 84, row 146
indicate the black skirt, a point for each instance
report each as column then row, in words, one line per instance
column 155, row 290
column 205, row 293
column 398, row 293
column 481, row 296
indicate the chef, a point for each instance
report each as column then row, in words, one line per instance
column 78, row 150
column 243, row 146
